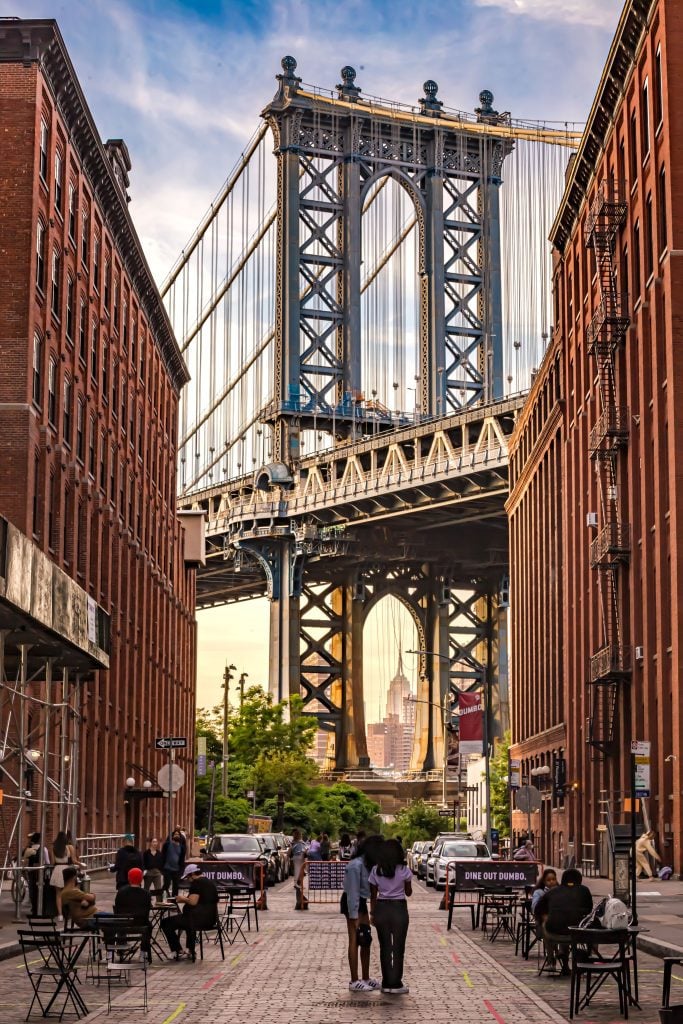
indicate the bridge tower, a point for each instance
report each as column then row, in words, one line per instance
column 331, row 151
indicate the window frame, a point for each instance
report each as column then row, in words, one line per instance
column 94, row 346
column 37, row 379
column 56, row 284
column 67, row 399
column 73, row 211
column 59, row 182
column 645, row 128
column 52, row 391
column 41, row 242
column 80, row 430
column 70, row 310
column 43, row 150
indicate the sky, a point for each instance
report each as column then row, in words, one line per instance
column 183, row 83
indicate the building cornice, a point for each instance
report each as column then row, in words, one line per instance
column 632, row 26
column 40, row 42
column 555, row 736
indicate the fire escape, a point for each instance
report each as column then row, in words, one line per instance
column 610, row 550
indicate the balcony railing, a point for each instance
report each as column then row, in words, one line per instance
column 612, row 545
column 608, row 209
column 611, row 429
column 610, row 663
column 609, row 324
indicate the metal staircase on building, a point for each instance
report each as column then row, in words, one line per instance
column 610, row 550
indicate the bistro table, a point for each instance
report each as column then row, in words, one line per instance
column 156, row 915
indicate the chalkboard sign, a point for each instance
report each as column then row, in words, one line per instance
column 496, row 874
column 326, row 874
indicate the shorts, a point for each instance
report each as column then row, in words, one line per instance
column 344, row 906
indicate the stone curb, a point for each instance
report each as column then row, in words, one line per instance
column 658, row 947
column 9, row 949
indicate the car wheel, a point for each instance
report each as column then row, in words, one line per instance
column 429, row 882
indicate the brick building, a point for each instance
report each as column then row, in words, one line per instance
column 90, row 375
column 596, row 550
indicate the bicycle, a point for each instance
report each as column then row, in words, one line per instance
column 19, row 885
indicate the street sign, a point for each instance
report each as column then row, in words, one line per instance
column 171, row 777
column 443, row 813
column 640, row 748
column 528, row 799
column 201, row 755
column 170, row 742
column 640, row 751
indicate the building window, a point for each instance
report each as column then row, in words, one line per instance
column 636, row 260
column 661, row 209
column 40, row 255
column 52, row 391
column 37, row 369
column 645, row 120
column 91, row 447
column 105, row 372
column 66, row 532
column 139, row 433
column 659, row 88
column 82, row 330
column 621, row 166
column 115, row 390
column 85, row 240
column 56, row 268
column 36, row 495
column 142, row 357
column 107, row 283
column 131, row 503
column 122, row 489
column 51, row 513
column 94, row 343
column 70, row 301
column 66, row 417
column 112, row 474
column 115, row 310
column 103, row 461
column 44, row 145
column 72, row 212
column 633, row 148
column 649, row 240
column 82, row 540
column 124, row 330
column 131, row 432
column 123, row 402
column 59, row 181
column 96, row 263
column 80, row 430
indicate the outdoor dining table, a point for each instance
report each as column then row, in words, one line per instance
column 156, row 916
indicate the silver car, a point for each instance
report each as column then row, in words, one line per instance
column 448, row 850
column 411, row 856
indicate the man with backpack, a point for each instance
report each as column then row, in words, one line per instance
column 562, row 908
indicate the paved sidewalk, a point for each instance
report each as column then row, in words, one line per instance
column 295, row 970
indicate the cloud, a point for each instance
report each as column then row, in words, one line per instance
column 582, row 12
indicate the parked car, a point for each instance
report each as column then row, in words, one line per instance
column 448, row 850
column 412, row 855
column 277, row 841
column 421, row 860
column 238, row 847
column 270, row 847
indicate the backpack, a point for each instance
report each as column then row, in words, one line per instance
column 615, row 914
column 595, row 918
column 664, row 873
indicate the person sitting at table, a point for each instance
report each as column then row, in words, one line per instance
column 561, row 908
column 135, row 902
column 80, row 905
column 547, row 881
column 200, row 910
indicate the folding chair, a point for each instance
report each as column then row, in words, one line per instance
column 453, row 905
column 671, row 1014
column 242, row 904
column 218, row 929
column 669, row 963
column 596, row 969
column 127, row 959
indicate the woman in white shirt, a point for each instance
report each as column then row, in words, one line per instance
column 390, row 885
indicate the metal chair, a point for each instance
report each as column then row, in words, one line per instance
column 126, row 958
column 218, row 929
column 464, row 905
column 597, row 969
column 243, row 902
column 46, row 957
column 669, row 963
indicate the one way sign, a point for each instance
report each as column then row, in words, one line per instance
column 170, row 742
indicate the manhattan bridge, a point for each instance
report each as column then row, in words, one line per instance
column 362, row 310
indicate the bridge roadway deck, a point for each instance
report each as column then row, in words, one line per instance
column 295, row 971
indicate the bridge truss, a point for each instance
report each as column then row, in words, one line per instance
column 353, row 319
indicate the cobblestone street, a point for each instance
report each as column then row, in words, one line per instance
column 295, row 968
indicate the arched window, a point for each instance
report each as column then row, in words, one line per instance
column 66, row 412
column 56, row 281
column 52, row 391
column 37, row 369
column 59, row 180
column 40, row 255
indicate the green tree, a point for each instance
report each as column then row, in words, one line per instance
column 417, row 821
column 500, row 790
column 230, row 814
column 264, row 727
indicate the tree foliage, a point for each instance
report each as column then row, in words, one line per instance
column 418, row 821
column 500, row 790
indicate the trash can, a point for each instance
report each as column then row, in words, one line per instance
column 84, row 884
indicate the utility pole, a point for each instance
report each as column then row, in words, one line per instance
column 241, row 684
column 226, row 697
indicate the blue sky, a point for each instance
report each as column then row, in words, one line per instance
column 183, row 83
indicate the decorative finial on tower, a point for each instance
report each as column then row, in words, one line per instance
column 289, row 82
column 429, row 103
column 485, row 111
column 347, row 90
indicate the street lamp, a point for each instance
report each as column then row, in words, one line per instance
column 226, row 693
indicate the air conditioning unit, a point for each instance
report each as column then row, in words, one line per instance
column 612, row 492
column 591, row 519
column 640, row 653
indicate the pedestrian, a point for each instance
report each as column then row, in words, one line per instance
column 354, row 907
column 390, row 885
column 31, row 859
column 173, row 853
column 547, row 881
column 525, row 851
column 200, row 910
column 127, row 857
column 78, row 905
column 360, row 836
column 153, row 866
column 561, row 908
column 313, row 852
column 325, row 851
column 298, row 855
column 345, row 847
column 645, row 848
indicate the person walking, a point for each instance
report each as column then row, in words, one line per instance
column 345, row 847
column 61, row 859
column 298, row 855
column 354, row 906
column 173, row 853
column 325, row 850
column 645, row 848
column 525, row 851
column 31, row 859
column 390, row 885
column 153, row 867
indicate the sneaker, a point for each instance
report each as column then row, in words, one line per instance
column 372, row 983
column 402, row 990
column 359, row 986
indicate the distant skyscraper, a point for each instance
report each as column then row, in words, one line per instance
column 399, row 693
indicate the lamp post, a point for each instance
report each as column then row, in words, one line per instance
column 227, row 676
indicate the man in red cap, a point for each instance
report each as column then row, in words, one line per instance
column 132, row 900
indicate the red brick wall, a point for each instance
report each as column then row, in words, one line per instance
column 123, row 545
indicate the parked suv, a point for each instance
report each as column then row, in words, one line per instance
column 448, row 850
column 276, row 843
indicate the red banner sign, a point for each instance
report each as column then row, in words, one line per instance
column 471, row 721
